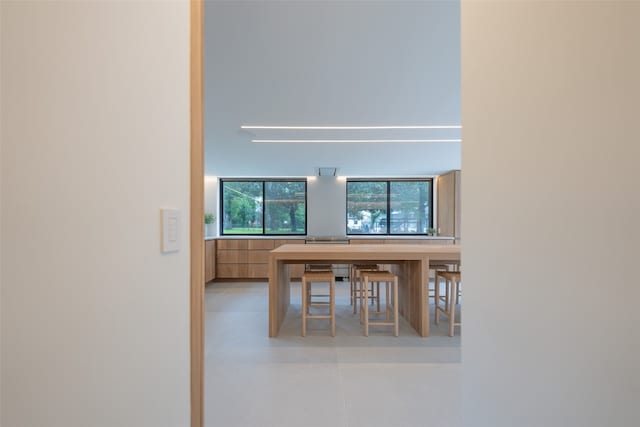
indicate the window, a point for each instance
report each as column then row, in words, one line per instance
column 264, row 207
column 389, row 207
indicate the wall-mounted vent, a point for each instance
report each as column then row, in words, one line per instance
column 327, row 171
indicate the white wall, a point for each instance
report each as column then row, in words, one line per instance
column 95, row 140
column 211, row 200
column 550, row 210
column 327, row 204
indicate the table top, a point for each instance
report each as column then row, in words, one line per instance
column 374, row 252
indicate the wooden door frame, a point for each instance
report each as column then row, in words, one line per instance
column 196, row 233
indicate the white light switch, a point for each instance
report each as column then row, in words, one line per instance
column 170, row 230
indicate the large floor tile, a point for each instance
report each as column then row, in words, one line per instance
column 278, row 395
column 348, row 380
column 402, row 395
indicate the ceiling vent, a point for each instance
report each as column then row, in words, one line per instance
column 327, row 171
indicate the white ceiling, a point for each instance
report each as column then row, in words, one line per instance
column 333, row 63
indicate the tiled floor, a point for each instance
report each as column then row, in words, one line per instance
column 347, row 381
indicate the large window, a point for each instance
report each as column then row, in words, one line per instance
column 273, row 207
column 399, row 206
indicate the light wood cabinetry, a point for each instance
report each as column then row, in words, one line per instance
column 249, row 258
column 366, row 241
column 232, row 256
column 209, row 260
column 414, row 241
column 229, row 244
column 295, row 270
column 231, row 271
column 258, row 258
column 232, row 259
column 449, row 204
column 419, row 241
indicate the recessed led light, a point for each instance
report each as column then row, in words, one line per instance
column 354, row 140
column 349, row 127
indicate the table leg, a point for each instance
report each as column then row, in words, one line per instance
column 279, row 295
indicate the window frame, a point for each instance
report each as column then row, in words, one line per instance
column 263, row 181
column 388, row 181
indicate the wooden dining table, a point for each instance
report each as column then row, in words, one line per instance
column 410, row 262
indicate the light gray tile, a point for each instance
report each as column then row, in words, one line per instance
column 348, row 380
column 301, row 394
column 402, row 395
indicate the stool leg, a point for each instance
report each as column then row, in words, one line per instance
column 387, row 301
column 351, row 284
column 457, row 292
column 366, row 307
column 459, row 306
column 396, row 323
column 452, row 307
column 304, row 307
column 446, row 294
column 437, row 298
column 332, row 306
column 378, row 296
column 356, row 291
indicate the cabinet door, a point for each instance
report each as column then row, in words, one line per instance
column 260, row 244
column 258, row 271
column 280, row 242
column 447, row 203
column 232, row 244
column 232, row 271
column 209, row 260
column 232, row 256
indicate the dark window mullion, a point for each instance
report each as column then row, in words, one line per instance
column 388, row 208
column 264, row 204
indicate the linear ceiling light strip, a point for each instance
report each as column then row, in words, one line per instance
column 350, row 127
column 354, row 140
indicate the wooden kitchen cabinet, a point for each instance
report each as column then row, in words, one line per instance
column 249, row 258
column 232, row 258
column 209, row 260
column 246, row 259
column 449, row 204
column 295, row 270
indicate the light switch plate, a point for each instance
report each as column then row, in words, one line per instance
column 171, row 226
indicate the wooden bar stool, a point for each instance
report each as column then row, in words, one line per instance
column 356, row 279
column 452, row 289
column 308, row 278
column 390, row 281
column 310, row 294
column 436, row 266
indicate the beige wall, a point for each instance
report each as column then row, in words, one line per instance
column 95, row 140
column 550, row 210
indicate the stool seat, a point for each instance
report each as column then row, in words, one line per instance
column 390, row 281
column 309, row 277
column 356, row 273
column 441, row 266
column 450, row 275
column 451, row 297
column 318, row 267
